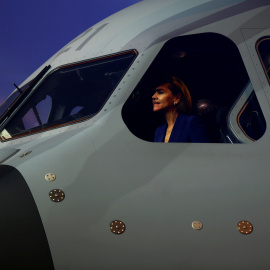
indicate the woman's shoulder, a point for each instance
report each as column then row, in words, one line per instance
column 160, row 132
column 189, row 119
column 197, row 129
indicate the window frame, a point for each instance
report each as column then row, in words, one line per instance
column 233, row 132
column 233, row 120
column 262, row 39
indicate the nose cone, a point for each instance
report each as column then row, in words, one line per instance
column 23, row 240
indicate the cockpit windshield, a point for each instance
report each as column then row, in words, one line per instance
column 12, row 98
column 5, row 105
column 70, row 94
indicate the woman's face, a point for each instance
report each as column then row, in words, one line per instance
column 163, row 99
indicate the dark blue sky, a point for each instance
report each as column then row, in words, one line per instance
column 32, row 31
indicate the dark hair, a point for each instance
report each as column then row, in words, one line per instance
column 177, row 86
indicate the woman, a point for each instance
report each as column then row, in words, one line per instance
column 173, row 100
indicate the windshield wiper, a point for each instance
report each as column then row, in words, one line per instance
column 23, row 93
column 19, row 89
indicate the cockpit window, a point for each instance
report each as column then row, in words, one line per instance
column 251, row 119
column 12, row 98
column 70, row 94
column 222, row 95
column 4, row 106
column 263, row 50
column 15, row 99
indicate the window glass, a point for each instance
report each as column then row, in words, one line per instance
column 15, row 99
column 10, row 100
column 38, row 114
column 43, row 109
column 251, row 119
column 211, row 67
column 30, row 119
column 263, row 50
column 72, row 93
column 76, row 110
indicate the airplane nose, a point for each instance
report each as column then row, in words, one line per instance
column 24, row 243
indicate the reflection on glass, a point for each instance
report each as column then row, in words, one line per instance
column 12, row 98
column 8, row 101
column 251, row 119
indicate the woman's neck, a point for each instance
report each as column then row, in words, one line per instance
column 171, row 117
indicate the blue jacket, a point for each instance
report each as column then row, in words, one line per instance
column 186, row 129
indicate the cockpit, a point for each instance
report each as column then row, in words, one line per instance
column 210, row 65
column 212, row 68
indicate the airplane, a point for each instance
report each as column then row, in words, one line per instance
column 84, row 185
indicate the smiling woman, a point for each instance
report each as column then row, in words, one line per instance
column 172, row 99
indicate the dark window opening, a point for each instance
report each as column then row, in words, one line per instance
column 211, row 67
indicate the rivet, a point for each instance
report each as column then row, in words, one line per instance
column 116, row 228
column 197, row 225
column 245, row 227
column 57, row 195
column 50, row 177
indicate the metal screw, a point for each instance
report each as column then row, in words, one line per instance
column 50, row 177
column 197, row 225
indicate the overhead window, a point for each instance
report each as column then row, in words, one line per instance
column 211, row 67
column 263, row 50
column 70, row 94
